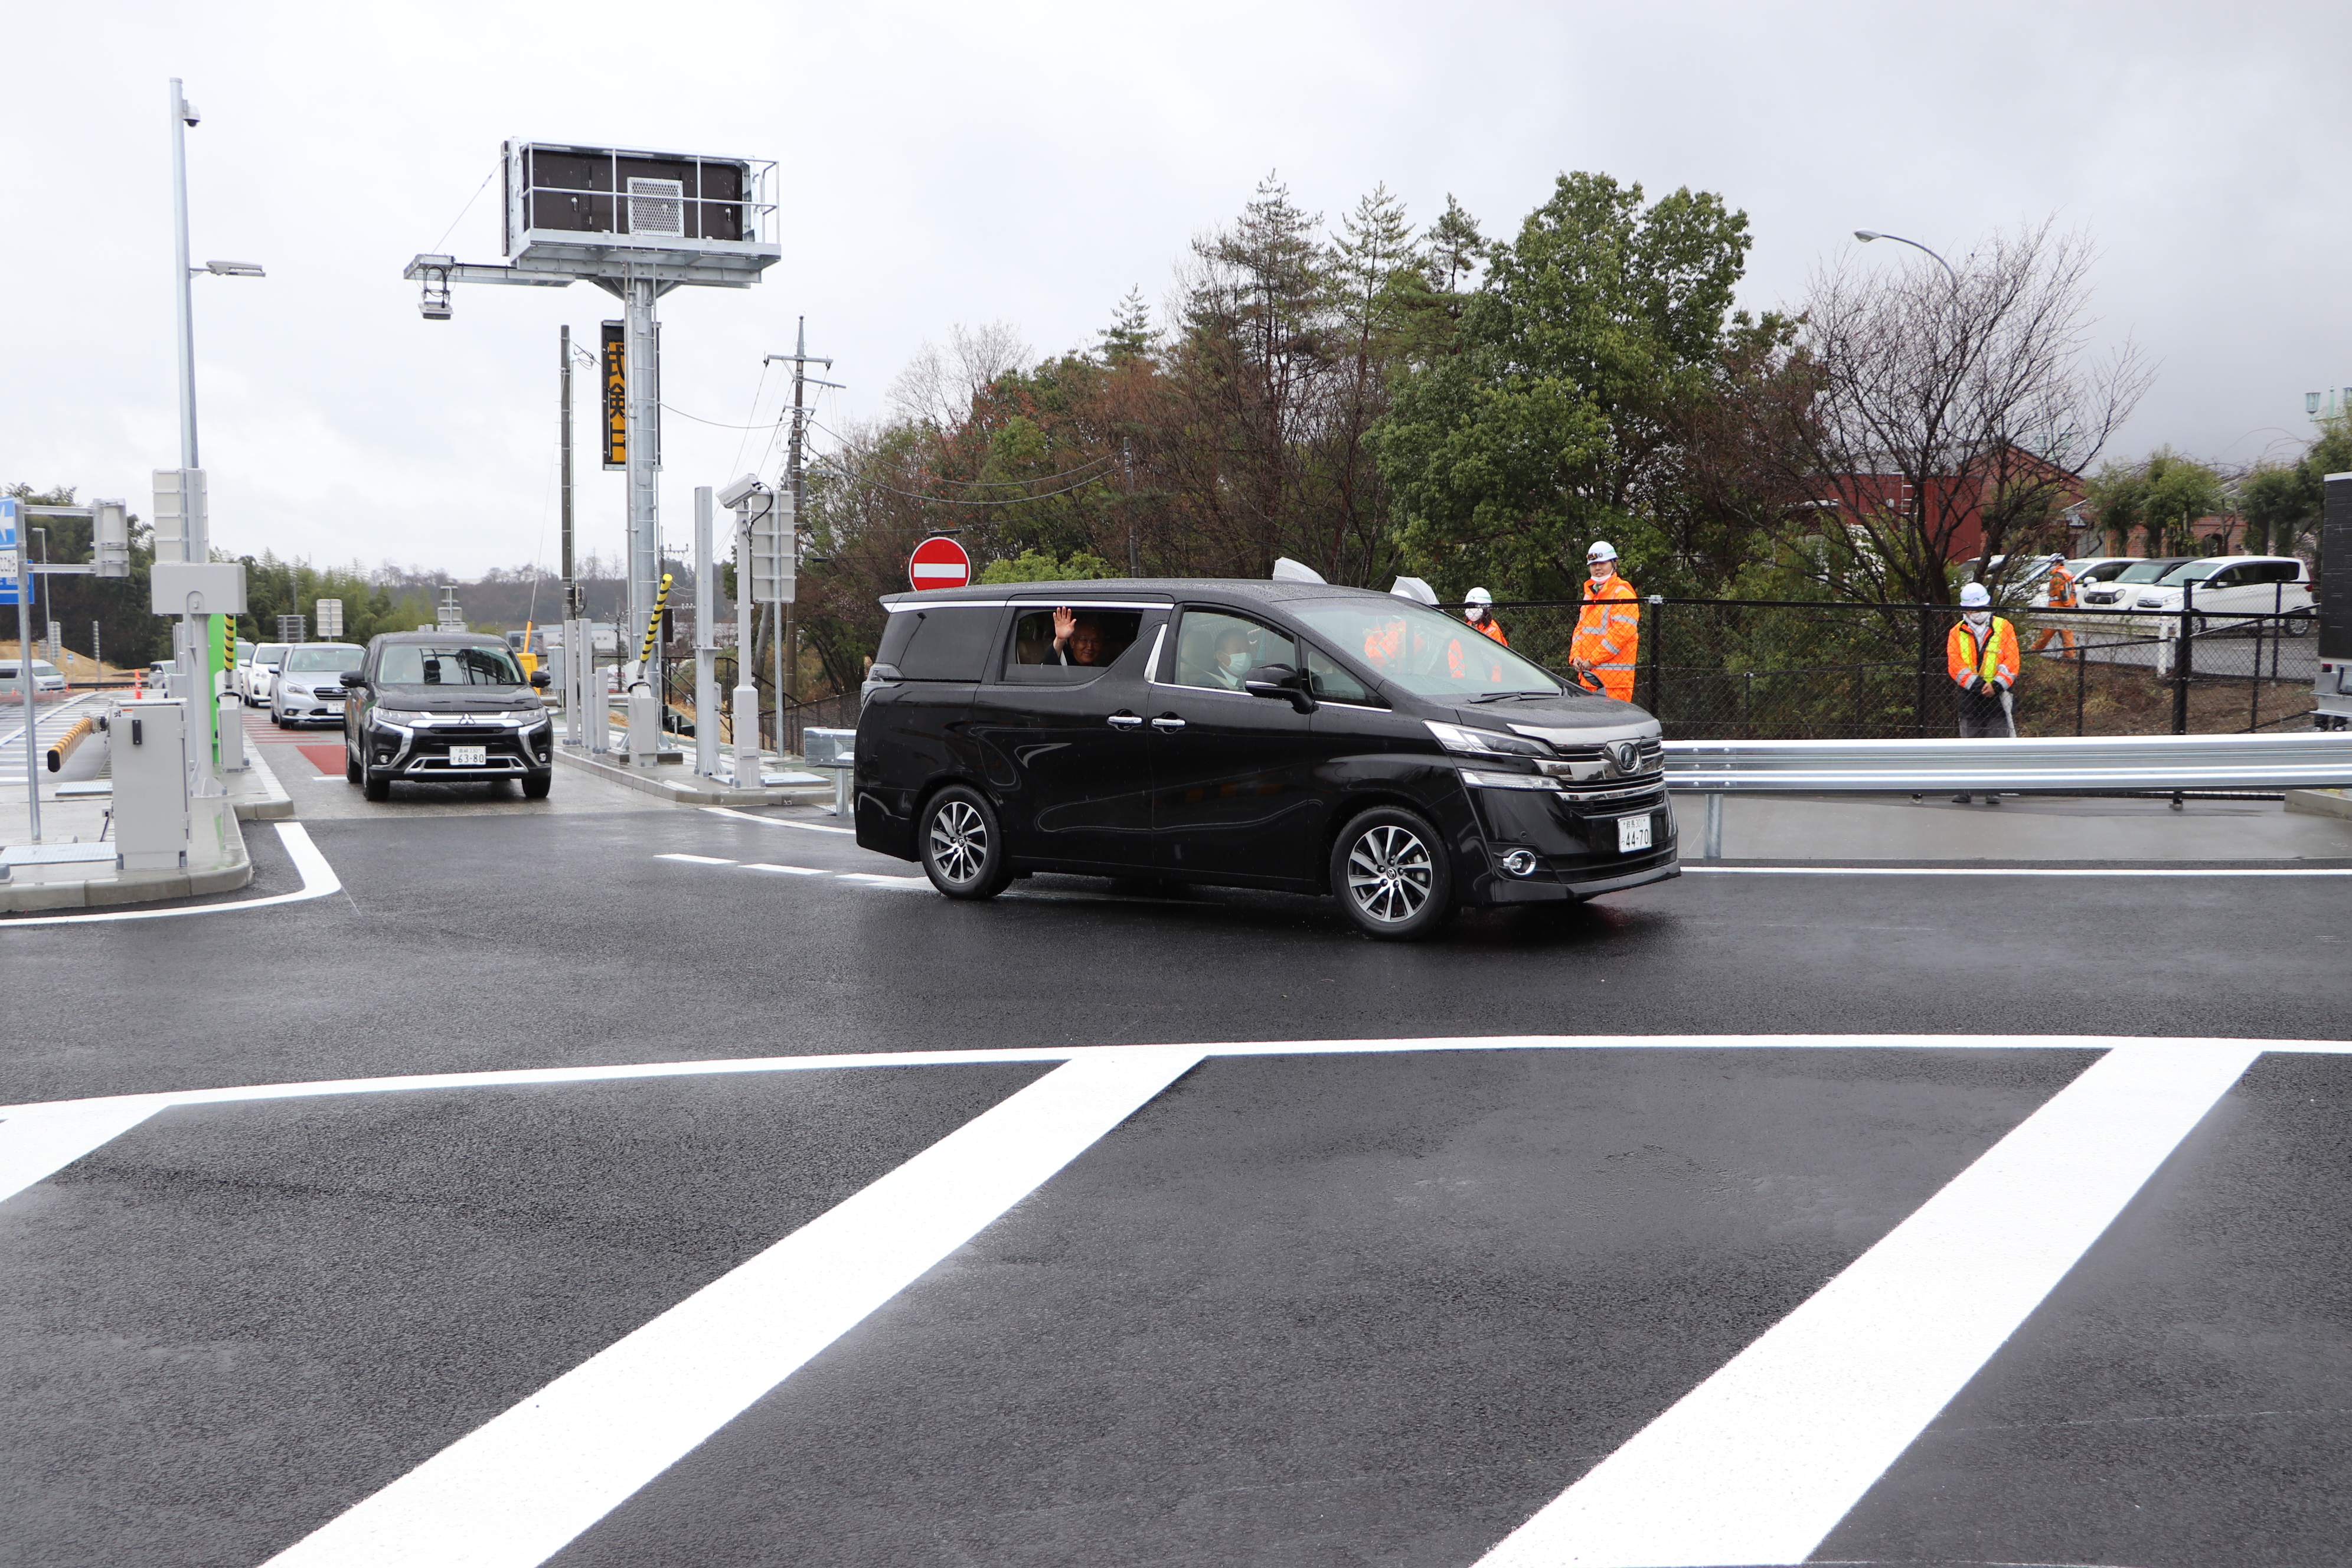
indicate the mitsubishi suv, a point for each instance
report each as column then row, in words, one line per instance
column 444, row 708
column 1263, row 735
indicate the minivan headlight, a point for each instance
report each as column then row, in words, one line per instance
column 1472, row 742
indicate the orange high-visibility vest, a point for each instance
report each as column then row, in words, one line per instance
column 1491, row 630
column 2061, row 588
column 1996, row 657
column 1608, row 634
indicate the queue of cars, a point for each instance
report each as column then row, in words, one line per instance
column 2216, row 588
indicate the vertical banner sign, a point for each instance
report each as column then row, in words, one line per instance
column 616, row 396
column 7, row 550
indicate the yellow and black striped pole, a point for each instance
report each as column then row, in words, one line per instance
column 653, row 622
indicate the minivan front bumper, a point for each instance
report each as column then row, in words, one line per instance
column 1574, row 839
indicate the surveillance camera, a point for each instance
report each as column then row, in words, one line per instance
column 738, row 492
column 188, row 112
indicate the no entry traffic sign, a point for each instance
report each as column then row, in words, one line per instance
column 938, row 564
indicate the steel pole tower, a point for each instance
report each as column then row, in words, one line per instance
column 643, row 360
column 181, row 279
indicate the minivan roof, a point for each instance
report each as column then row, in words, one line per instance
column 479, row 640
column 1156, row 589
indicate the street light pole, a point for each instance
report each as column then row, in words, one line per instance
column 1866, row 236
column 183, row 116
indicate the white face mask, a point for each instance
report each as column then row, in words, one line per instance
column 1979, row 619
column 1603, row 570
column 1236, row 663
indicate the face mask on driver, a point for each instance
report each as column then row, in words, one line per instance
column 1236, row 663
column 1979, row 619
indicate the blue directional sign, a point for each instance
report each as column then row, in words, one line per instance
column 11, row 550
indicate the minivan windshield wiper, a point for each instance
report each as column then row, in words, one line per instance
column 1499, row 696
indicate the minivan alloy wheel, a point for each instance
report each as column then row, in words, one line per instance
column 1389, row 875
column 958, row 840
column 963, row 846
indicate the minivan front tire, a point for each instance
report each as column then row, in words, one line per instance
column 1392, row 875
column 963, row 843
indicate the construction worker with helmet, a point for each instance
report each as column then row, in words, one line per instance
column 1478, row 609
column 1608, row 630
column 1980, row 655
column 2061, row 598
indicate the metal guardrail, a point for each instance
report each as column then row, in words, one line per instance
column 2153, row 762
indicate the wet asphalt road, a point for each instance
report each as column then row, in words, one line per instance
column 1332, row 1309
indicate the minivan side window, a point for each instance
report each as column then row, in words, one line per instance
column 947, row 642
column 1216, row 650
column 1064, row 644
column 1331, row 683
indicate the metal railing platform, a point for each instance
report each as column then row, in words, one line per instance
column 2159, row 762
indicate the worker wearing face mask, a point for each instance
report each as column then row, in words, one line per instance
column 1478, row 609
column 1608, row 630
column 1981, row 655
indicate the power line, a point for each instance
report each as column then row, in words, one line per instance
column 467, row 208
column 721, row 424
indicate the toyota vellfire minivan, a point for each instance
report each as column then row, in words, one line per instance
column 1261, row 734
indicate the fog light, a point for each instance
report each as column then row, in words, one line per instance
column 1520, row 863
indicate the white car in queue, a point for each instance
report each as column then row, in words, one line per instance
column 2224, row 592
column 258, row 672
column 47, row 681
column 309, row 685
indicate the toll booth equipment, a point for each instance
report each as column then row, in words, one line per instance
column 2332, row 687
column 148, row 741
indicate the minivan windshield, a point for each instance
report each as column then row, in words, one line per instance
column 2147, row 571
column 426, row 663
column 318, row 661
column 1427, row 653
column 269, row 653
column 2195, row 572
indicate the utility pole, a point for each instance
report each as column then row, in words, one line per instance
column 1127, row 458
column 795, row 486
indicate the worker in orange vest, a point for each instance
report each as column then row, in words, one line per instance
column 1980, row 655
column 1608, row 630
column 1479, row 611
column 2061, row 598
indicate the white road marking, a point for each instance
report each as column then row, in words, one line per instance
column 696, row 859
column 879, row 879
column 2019, row 871
column 36, row 1145
column 319, row 879
column 1759, row 1464
column 788, row 870
column 515, row 1491
column 778, row 821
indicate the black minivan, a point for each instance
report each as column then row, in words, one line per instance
column 1260, row 734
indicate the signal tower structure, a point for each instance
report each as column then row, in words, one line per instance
column 638, row 224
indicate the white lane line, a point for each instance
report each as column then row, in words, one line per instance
column 698, row 860
column 2017, row 871
column 523, row 1077
column 778, row 821
column 787, row 871
column 36, row 1145
column 516, row 1489
column 1758, row 1464
column 319, row 879
column 877, row 879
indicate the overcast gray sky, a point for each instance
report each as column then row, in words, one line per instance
column 946, row 164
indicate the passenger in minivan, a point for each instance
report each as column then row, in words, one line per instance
column 1077, row 639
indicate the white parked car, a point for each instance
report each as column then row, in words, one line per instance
column 2116, row 591
column 309, row 687
column 2089, row 569
column 2230, row 585
column 257, row 673
column 46, row 680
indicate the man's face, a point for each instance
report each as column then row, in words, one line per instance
column 1603, row 570
column 1087, row 643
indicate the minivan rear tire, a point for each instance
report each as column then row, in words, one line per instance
column 963, row 844
column 1392, row 875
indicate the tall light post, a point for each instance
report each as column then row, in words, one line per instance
column 1866, row 236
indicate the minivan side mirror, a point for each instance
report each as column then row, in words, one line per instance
column 541, row 680
column 1280, row 680
column 354, row 678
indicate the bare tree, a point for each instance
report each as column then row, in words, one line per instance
column 1941, row 398
column 939, row 385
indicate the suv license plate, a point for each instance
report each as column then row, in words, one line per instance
column 1632, row 833
column 479, row 756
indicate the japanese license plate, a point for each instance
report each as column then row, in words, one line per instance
column 479, row 756
column 1632, row 833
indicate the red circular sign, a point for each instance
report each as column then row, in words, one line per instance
column 938, row 564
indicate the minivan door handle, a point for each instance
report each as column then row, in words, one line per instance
column 1125, row 720
column 1168, row 724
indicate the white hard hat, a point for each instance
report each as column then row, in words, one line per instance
column 1477, row 596
column 1602, row 551
column 1974, row 597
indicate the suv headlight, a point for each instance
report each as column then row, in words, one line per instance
column 398, row 716
column 1472, row 742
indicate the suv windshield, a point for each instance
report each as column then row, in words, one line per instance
column 421, row 664
column 2147, row 571
column 319, row 660
column 1428, row 654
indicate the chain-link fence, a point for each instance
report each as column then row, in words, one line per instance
column 1747, row 670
